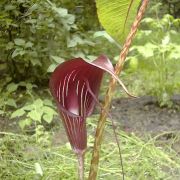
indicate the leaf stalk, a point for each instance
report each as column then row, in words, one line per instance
column 108, row 97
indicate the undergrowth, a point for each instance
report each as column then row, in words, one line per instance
column 24, row 157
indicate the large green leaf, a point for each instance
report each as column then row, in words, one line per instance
column 117, row 16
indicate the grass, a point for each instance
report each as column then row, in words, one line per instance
column 26, row 157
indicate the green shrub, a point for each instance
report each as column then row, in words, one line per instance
column 154, row 58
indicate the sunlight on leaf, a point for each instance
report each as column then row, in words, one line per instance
column 12, row 87
column 116, row 16
column 48, row 118
column 57, row 59
column 36, row 116
column 11, row 102
column 18, row 113
column 52, row 67
column 19, row 42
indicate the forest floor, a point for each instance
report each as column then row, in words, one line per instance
column 149, row 138
column 142, row 116
column 145, row 116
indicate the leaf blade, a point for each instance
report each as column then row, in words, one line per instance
column 117, row 16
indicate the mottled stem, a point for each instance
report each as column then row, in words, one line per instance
column 108, row 97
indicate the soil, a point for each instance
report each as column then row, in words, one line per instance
column 144, row 115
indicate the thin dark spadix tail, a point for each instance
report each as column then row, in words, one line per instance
column 113, row 126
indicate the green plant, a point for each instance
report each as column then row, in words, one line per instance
column 33, row 33
column 30, row 114
column 156, row 61
column 6, row 98
column 34, row 113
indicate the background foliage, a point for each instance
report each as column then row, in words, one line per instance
column 37, row 35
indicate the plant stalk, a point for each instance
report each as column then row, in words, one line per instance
column 80, row 157
column 108, row 97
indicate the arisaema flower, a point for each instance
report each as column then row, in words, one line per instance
column 75, row 86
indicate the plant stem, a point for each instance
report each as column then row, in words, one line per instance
column 108, row 97
column 80, row 157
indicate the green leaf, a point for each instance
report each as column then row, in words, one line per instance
column 17, row 113
column 25, row 122
column 147, row 50
column 175, row 54
column 29, row 44
column 74, row 41
column 48, row 118
column 15, row 53
column 28, row 107
column 133, row 64
column 38, row 103
column 103, row 34
column 35, row 62
column 47, row 102
column 18, row 51
column 19, row 42
column 52, row 67
column 11, row 102
column 70, row 19
column 2, row 112
column 33, row 8
column 117, row 16
column 48, row 110
column 10, row 45
column 30, row 86
column 12, row 87
column 31, row 21
column 57, row 59
column 61, row 11
column 9, row 7
column 166, row 40
column 34, row 115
